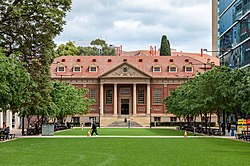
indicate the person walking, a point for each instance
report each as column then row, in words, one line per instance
column 228, row 127
column 94, row 130
column 82, row 126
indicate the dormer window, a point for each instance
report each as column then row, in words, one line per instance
column 156, row 69
column 188, row 69
column 92, row 69
column 172, row 69
column 60, row 69
column 77, row 69
column 63, row 60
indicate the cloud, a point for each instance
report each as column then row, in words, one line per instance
column 137, row 24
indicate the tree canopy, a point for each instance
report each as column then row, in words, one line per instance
column 14, row 83
column 98, row 47
column 219, row 90
column 69, row 100
column 165, row 47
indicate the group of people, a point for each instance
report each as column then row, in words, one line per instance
column 6, row 132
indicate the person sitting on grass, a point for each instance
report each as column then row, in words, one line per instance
column 94, row 130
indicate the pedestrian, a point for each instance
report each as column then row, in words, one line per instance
column 82, row 126
column 129, row 124
column 7, row 132
column 94, row 130
column 228, row 127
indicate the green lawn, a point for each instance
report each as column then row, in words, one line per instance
column 125, row 132
column 124, row 151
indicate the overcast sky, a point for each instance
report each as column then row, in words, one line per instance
column 139, row 24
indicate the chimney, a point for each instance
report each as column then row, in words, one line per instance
column 155, row 50
column 201, row 52
column 151, row 51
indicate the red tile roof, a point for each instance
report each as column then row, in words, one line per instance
column 144, row 63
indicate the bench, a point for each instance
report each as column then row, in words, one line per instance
column 12, row 136
column 2, row 137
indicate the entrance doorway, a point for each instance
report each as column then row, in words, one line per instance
column 125, row 106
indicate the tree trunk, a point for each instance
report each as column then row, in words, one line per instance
column 23, row 125
column 224, row 122
column 210, row 118
column 206, row 121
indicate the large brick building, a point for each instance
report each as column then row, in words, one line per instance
column 132, row 85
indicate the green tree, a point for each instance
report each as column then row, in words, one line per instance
column 69, row 100
column 241, row 78
column 211, row 92
column 68, row 49
column 98, row 42
column 27, row 30
column 165, row 47
column 14, row 83
column 28, row 26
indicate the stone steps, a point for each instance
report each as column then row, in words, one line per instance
column 121, row 123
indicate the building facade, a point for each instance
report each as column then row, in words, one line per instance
column 233, row 32
column 130, row 86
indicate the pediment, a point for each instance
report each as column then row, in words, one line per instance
column 125, row 70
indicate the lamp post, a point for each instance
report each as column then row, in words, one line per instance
column 150, row 118
column 99, row 117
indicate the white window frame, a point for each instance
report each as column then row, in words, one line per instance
column 155, row 69
column 92, row 67
column 108, row 96
column 77, row 67
column 157, row 96
column 141, row 96
column 189, row 68
column 58, row 68
column 93, row 95
column 171, row 70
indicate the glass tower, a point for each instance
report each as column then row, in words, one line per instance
column 234, row 33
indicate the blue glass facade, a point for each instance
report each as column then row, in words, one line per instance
column 234, row 32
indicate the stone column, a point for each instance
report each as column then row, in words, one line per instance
column 101, row 99
column 148, row 99
column 1, row 119
column 17, row 121
column 134, row 99
column 115, row 99
column 9, row 119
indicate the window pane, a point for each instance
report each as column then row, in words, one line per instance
column 77, row 69
column 109, row 96
column 157, row 96
column 157, row 69
column 92, row 68
column 60, row 68
column 189, row 69
column 140, row 96
column 173, row 69
column 93, row 95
